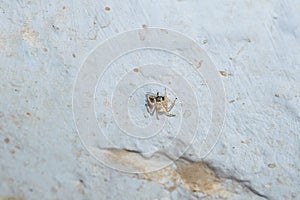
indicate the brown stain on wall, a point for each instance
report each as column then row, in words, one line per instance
column 198, row 176
column 167, row 176
column 194, row 176
column 6, row 140
column 224, row 73
column 199, row 64
column 124, row 157
column 11, row 198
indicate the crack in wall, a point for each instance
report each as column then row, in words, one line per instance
column 195, row 176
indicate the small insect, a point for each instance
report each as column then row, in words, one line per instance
column 160, row 104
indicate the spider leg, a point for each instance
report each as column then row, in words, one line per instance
column 165, row 92
column 172, row 105
column 170, row 115
column 150, row 110
column 157, row 115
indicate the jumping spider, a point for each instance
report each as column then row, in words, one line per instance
column 159, row 104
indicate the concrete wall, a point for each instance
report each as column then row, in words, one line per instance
column 73, row 122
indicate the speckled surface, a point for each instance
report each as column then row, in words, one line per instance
column 254, row 46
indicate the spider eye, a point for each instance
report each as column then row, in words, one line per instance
column 151, row 99
column 163, row 98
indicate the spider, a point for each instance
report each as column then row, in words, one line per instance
column 159, row 104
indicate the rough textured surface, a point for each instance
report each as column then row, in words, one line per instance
column 254, row 44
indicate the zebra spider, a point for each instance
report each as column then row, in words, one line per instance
column 160, row 104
